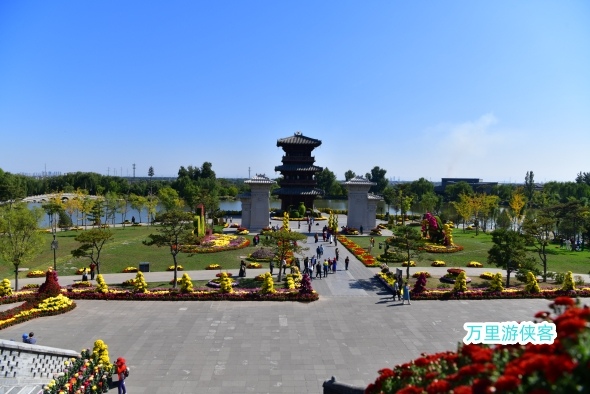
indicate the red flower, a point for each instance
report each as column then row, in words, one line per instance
column 541, row 315
column 410, row 390
column 567, row 301
column 507, row 383
column 462, row 390
column 438, row 386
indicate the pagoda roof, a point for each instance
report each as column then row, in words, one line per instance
column 298, row 139
column 260, row 179
column 298, row 167
column 376, row 197
column 298, row 191
column 359, row 180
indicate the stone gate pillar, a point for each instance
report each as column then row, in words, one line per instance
column 362, row 205
column 256, row 203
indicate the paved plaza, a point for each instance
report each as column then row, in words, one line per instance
column 354, row 330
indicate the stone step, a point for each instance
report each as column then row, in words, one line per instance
column 27, row 389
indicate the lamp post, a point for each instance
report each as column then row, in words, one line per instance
column 54, row 248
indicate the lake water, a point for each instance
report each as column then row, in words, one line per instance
column 223, row 205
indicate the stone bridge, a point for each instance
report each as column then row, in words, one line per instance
column 47, row 197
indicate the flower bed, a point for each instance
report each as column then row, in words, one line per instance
column 433, row 248
column 490, row 295
column 417, row 274
column 32, row 309
column 560, row 367
column 254, row 265
column 213, row 267
column 412, row 263
column 87, row 374
column 360, row 253
column 130, row 269
column 35, row 274
column 438, row 263
column 80, row 271
column 82, row 284
column 261, row 255
column 178, row 268
column 474, row 264
column 487, row 275
column 203, row 295
column 219, row 275
column 217, row 243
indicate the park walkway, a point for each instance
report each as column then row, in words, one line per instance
column 226, row 347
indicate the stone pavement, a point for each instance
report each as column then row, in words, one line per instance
column 354, row 330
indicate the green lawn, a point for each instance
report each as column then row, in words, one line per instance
column 125, row 249
column 476, row 249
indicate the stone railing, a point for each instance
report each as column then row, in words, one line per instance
column 25, row 364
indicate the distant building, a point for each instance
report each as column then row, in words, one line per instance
column 298, row 171
column 476, row 184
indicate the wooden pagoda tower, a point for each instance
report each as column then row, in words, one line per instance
column 298, row 171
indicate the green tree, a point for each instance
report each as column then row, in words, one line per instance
column 284, row 243
column 151, row 175
column 169, row 198
column 138, row 203
column 174, row 229
column 529, row 186
column 463, row 207
column 92, row 241
column 377, row 175
column 20, row 239
column 348, row 175
column 504, row 221
column 326, row 180
column 431, row 202
column 508, row 251
column 421, row 187
column 406, row 242
column 454, row 191
column 538, row 232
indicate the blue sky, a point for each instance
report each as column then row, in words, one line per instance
column 487, row 89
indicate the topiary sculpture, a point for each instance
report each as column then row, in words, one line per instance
column 186, row 284
column 268, row 286
column 5, row 288
column 101, row 285
column 568, row 283
column 225, row 283
column 461, row 283
column 497, row 284
column 532, row 286
column 140, row 285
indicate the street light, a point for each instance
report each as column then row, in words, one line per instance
column 54, row 248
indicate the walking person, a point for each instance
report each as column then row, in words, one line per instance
column 334, row 262
column 337, row 252
column 242, row 273
column 326, row 266
column 315, row 237
column 272, row 266
column 396, row 292
column 318, row 270
column 406, row 294
column 92, row 268
column 122, row 373
column 346, row 261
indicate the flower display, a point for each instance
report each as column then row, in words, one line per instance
column 261, row 254
column 5, row 288
column 438, row 263
column 139, row 284
column 32, row 309
column 254, row 265
column 84, row 283
column 412, row 263
column 101, row 285
column 130, row 269
column 35, row 274
column 88, row 373
column 474, row 264
column 178, row 268
column 366, row 258
column 242, row 231
column 220, row 274
column 418, row 273
column 434, row 248
column 213, row 267
column 532, row 286
column 487, row 275
column 186, row 284
column 217, row 243
column 129, row 282
column 547, row 368
column 80, row 271
column 455, row 271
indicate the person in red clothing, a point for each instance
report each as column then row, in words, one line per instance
column 121, row 374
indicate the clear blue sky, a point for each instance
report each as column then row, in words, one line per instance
column 487, row 89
